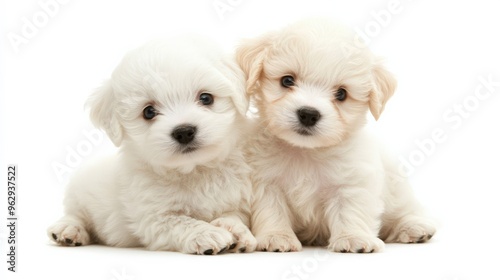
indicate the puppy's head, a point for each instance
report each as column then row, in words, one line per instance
column 313, row 82
column 173, row 104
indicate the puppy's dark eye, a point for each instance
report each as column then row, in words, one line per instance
column 149, row 113
column 287, row 81
column 206, row 99
column 341, row 94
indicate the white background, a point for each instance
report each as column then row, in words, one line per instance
column 438, row 51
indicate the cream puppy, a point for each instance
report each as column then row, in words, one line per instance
column 176, row 110
column 319, row 178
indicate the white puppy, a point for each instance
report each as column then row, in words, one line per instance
column 317, row 174
column 180, row 183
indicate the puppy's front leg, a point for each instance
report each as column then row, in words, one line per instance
column 236, row 223
column 183, row 234
column 271, row 222
column 353, row 215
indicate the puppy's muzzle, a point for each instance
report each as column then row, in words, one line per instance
column 184, row 134
column 308, row 116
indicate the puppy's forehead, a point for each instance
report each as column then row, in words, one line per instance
column 319, row 52
column 162, row 70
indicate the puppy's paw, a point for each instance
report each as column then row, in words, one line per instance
column 281, row 242
column 209, row 240
column 68, row 234
column 356, row 244
column 245, row 241
column 414, row 231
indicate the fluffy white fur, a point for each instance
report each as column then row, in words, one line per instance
column 157, row 192
column 329, row 184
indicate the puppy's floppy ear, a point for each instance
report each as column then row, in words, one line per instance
column 103, row 112
column 251, row 55
column 237, row 79
column 384, row 85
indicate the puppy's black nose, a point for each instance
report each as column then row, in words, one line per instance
column 308, row 116
column 184, row 133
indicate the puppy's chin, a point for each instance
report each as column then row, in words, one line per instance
column 305, row 139
column 296, row 135
column 186, row 160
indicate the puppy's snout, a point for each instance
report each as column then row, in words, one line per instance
column 184, row 133
column 308, row 116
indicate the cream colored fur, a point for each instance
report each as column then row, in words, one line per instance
column 330, row 184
